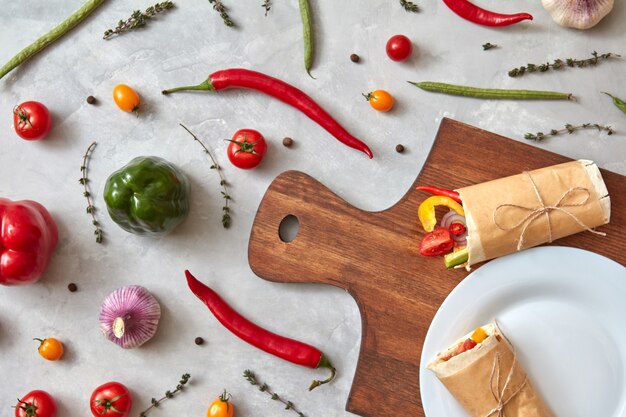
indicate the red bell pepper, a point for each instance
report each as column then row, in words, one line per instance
column 28, row 236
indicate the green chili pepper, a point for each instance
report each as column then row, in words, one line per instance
column 619, row 103
column 461, row 90
column 307, row 29
column 51, row 36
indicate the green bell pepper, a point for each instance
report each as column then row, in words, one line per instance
column 148, row 196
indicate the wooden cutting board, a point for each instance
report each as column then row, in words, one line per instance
column 374, row 255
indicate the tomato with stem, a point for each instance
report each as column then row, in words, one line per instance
column 50, row 348
column 380, row 100
column 221, row 407
column 32, row 120
column 36, row 403
column 399, row 48
column 247, row 148
column 111, row 400
column 126, row 98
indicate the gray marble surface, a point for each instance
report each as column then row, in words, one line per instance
column 184, row 46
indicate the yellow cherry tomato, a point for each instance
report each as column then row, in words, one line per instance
column 221, row 407
column 380, row 100
column 50, row 349
column 126, row 98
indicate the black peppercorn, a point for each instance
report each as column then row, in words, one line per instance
column 72, row 287
column 287, row 142
column 199, row 341
column 91, row 100
column 354, row 58
column 399, row 148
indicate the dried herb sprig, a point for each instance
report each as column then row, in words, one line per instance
column 215, row 166
column 409, row 6
column 138, row 19
column 219, row 7
column 487, row 46
column 251, row 378
column 168, row 394
column 91, row 209
column 569, row 129
column 267, row 5
column 559, row 64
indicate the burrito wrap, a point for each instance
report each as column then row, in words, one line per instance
column 468, row 378
column 487, row 241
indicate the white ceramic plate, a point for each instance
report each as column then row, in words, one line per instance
column 563, row 309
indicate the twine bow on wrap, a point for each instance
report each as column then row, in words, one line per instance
column 498, row 410
column 542, row 209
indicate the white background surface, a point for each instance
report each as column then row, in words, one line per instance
column 182, row 48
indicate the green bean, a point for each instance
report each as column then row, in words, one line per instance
column 307, row 29
column 51, row 36
column 461, row 90
column 619, row 103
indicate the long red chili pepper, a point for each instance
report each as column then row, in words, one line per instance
column 473, row 13
column 283, row 347
column 243, row 78
column 441, row 191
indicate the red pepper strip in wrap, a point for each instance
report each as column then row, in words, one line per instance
column 441, row 191
column 243, row 78
column 473, row 13
column 283, row 347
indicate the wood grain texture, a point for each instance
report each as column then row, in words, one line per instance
column 373, row 255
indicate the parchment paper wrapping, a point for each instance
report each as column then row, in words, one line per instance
column 469, row 379
column 487, row 241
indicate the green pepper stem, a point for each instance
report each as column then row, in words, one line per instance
column 205, row 86
column 324, row 363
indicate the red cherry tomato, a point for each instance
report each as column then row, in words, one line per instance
column 467, row 345
column 247, row 148
column 436, row 243
column 32, row 120
column 36, row 403
column 111, row 400
column 399, row 48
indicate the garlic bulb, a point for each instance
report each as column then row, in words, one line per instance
column 579, row 14
column 129, row 316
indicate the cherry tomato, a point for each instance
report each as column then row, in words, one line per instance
column 399, row 48
column 221, row 407
column 380, row 100
column 111, row 400
column 467, row 345
column 436, row 243
column 36, row 403
column 126, row 98
column 50, row 349
column 32, row 120
column 247, row 148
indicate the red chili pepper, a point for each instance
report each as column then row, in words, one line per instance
column 475, row 14
column 243, row 78
column 457, row 229
column 283, row 347
column 441, row 191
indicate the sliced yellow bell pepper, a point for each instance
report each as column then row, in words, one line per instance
column 426, row 210
column 479, row 335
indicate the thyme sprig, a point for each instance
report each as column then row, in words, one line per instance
column 409, row 6
column 569, row 129
column 215, row 166
column 560, row 63
column 168, row 394
column 263, row 387
column 219, row 7
column 267, row 5
column 487, row 46
column 91, row 209
column 138, row 19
